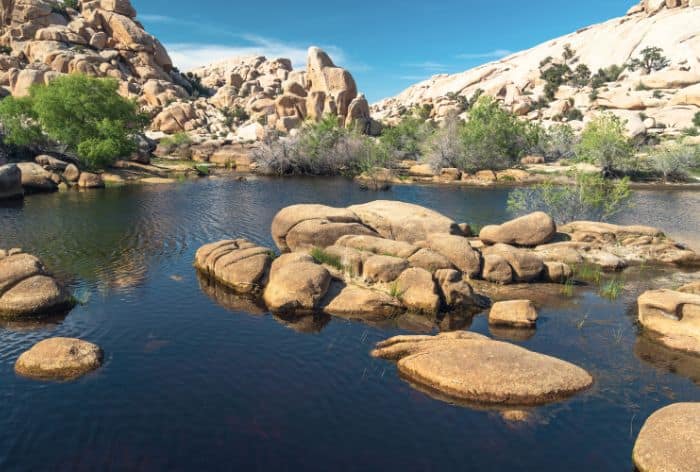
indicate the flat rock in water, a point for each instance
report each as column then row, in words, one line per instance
column 473, row 368
column 287, row 218
column 238, row 264
column 674, row 317
column 668, row 441
column 59, row 359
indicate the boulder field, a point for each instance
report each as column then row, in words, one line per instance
column 27, row 289
column 385, row 257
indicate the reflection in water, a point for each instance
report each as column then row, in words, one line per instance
column 33, row 323
column 661, row 357
column 512, row 334
column 228, row 298
column 175, row 343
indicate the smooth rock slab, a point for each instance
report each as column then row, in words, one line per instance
column 473, row 368
column 416, row 289
column 297, row 284
column 289, row 217
column 673, row 316
column 668, row 441
column 529, row 230
column 59, row 359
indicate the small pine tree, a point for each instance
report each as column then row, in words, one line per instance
column 651, row 59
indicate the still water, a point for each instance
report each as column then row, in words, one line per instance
column 195, row 379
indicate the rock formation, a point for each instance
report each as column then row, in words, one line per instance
column 269, row 91
column 102, row 38
column 473, row 368
column 26, row 288
column 384, row 257
column 673, row 317
column 660, row 102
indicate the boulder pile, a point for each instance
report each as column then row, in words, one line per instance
column 385, row 257
column 27, row 289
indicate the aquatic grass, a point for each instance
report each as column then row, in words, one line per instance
column 582, row 322
column 589, row 273
column 567, row 289
column 202, row 169
column 323, row 257
column 612, row 289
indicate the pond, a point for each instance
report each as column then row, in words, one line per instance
column 194, row 380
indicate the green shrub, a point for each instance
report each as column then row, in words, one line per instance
column 650, row 59
column 603, row 142
column 657, row 94
column 557, row 142
column 85, row 114
column 589, row 197
column 407, row 136
column 493, row 138
column 5, row 50
column 574, row 114
column 696, row 119
column 581, row 76
column 674, row 160
column 323, row 257
column 608, row 74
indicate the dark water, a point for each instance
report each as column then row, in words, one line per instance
column 189, row 384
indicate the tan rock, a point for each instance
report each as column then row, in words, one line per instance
column 673, row 316
column 287, row 218
column 421, row 170
column 90, row 180
column 417, row 291
column 557, row 272
column 383, row 268
column 296, row 284
column 35, row 178
column 471, row 367
column 527, row 266
column 529, row 230
column 516, row 313
column 667, row 441
column 687, row 96
column 238, row 264
column 363, row 303
column 457, row 250
column 59, row 359
column 457, row 293
column 378, row 245
column 403, row 221
column 10, row 182
column 429, row 260
column 321, row 233
column 670, row 79
column 497, row 269
column 693, row 287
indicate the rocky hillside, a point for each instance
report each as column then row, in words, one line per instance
column 254, row 94
column 663, row 101
column 41, row 39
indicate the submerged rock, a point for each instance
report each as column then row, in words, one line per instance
column 674, row 317
column 26, row 288
column 238, row 264
column 529, row 230
column 10, row 182
column 668, row 440
column 59, row 359
column 473, row 368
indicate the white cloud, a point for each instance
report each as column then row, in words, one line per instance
column 495, row 54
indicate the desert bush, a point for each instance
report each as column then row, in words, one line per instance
column 696, row 119
column 650, row 59
column 322, row 148
column 674, row 160
column 493, row 138
column 557, row 142
column 589, row 197
column 608, row 74
column 84, row 114
column 604, row 143
column 406, row 138
column 444, row 147
column 581, row 76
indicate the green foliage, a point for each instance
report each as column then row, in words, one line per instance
column 568, row 53
column 196, row 88
column 589, row 197
column 19, row 122
column 74, row 4
column 323, row 257
column 493, row 138
column 407, row 136
column 321, row 148
column 235, row 115
column 555, row 75
column 590, row 273
column 612, row 289
column 650, row 59
column 603, row 142
column 556, row 142
column 5, row 50
column 581, row 76
column 696, row 119
column 608, row 74
column 85, row 114
column 674, row 160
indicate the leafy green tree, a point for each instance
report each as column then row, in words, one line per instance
column 589, row 197
column 696, row 119
column 493, row 138
column 85, row 114
column 581, row 76
column 603, row 142
column 650, row 59
column 407, row 137
column 673, row 160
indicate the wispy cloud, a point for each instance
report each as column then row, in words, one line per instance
column 495, row 54
column 428, row 66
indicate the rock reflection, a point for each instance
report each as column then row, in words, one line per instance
column 661, row 357
column 512, row 334
column 306, row 324
column 34, row 323
column 229, row 299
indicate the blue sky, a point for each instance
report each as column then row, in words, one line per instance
column 386, row 44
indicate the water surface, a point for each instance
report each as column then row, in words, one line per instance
column 197, row 379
